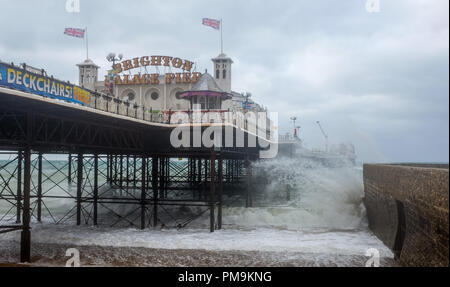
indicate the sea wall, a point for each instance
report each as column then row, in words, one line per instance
column 408, row 209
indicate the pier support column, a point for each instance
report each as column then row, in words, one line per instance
column 167, row 177
column 69, row 172
column 128, row 171
column 155, row 190
column 205, row 195
column 25, row 237
column 121, row 174
column 220, row 181
column 110, row 170
column 248, row 200
column 19, row 186
column 134, row 171
column 39, row 188
column 199, row 178
column 212, row 190
column 108, row 164
column 95, row 188
column 162, row 173
column 79, row 186
column 115, row 170
column 143, row 190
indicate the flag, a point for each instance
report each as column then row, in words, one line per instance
column 74, row 32
column 212, row 23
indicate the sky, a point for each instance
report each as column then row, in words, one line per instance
column 379, row 80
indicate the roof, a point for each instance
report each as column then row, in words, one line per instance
column 206, row 86
column 222, row 56
column 206, row 83
column 88, row 62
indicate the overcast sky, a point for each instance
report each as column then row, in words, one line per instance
column 378, row 80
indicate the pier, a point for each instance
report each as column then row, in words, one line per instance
column 111, row 145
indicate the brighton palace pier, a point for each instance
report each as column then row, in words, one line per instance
column 115, row 137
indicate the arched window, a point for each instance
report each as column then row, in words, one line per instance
column 224, row 74
column 217, row 74
column 177, row 95
column 128, row 97
column 154, row 96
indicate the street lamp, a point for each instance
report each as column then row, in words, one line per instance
column 111, row 57
column 247, row 95
column 298, row 131
column 294, row 119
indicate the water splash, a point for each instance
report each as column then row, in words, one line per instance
column 321, row 197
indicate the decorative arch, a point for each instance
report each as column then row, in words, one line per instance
column 175, row 102
column 150, row 99
column 129, row 94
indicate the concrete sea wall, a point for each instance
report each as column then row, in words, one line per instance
column 408, row 209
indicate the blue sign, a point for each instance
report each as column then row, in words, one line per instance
column 248, row 106
column 23, row 80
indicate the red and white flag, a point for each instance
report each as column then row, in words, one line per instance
column 212, row 23
column 74, row 32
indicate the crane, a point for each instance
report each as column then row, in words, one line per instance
column 325, row 135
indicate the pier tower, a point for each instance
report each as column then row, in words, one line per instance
column 88, row 74
column 222, row 72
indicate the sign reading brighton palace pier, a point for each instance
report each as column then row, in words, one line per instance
column 153, row 79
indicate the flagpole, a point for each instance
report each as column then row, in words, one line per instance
column 221, row 37
column 87, row 45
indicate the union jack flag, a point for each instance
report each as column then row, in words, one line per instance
column 212, row 23
column 74, row 32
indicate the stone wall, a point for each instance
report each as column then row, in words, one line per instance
column 408, row 209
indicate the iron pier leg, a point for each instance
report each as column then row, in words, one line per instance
column 19, row 186
column 167, row 177
column 39, row 191
column 212, row 191
column 79, row 186
column 121, row 174
column 95, row 188
column 143, row 191
column 220, row 179
column 134, row 171
column 155, row 190
column 69, row 173
column 128, row 172
column 25, row 238
column 199, row 178
column 110, row 169
column 107, row 168
column 248, row 200
column 115, row 170
column 205, row 195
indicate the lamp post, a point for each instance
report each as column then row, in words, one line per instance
column 294, row 119
column 112, row 58
column 247, row 95
column 298, row 131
